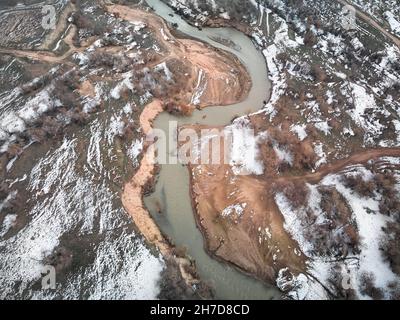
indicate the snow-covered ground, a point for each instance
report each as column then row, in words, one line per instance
column 384, row 11
column 343, row 85
column 63, row 206
column 70, row 199
column 336, row 276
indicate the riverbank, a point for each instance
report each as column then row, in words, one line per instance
column 241, row 219
column 214, row 77
column 205, row 76
column 132, row 200
column 170, row 204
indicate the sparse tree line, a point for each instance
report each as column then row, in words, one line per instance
column 337, row 235
column 382, row 185
column 296, row 11
column 302, row 153
column 49, row 124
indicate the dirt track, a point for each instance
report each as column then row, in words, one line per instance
column 236, row 238
column 43, row 54
column 372, row 23
column 357, row 158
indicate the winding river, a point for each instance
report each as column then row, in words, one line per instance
column 172, row 189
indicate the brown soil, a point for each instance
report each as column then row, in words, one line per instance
column 216, row 67
column 44, row 56
column 236, row 238
column 86, row 89
column 210, row 69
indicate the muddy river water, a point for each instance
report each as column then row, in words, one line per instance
column 172, row 190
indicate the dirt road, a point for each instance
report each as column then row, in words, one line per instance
column 372, row 22
column 241, row 222
column 357, row 158
column 43, row 54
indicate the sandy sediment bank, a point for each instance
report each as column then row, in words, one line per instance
column 214, row 78
column 230, row 210
column 132, row 200
column 240, row 219
column 208, row 76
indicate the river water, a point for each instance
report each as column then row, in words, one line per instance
column 172, row 189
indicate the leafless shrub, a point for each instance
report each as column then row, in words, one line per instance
column 64, row 88
column 13, row 150
column 61, row 258
column 35, row 85
column 173, row 286
column 88, row 24
column 390, row 246
column 385, row 183
column 304, row 155
column 390, row 206
column 367, row 287
column 283, row 57
column 394, row 290
column 128, row 131
column 180, row 251
column 344, row 233
column 336, row 281
column 390, row 203
column 82, row 21
column 296, row 192
column 102, row 59
column 51, row 126
column 176, row 108
column 78, row 117
column 334, row 236
column 4, row 190
column 36, row 134
column 318, row 73
column 302, row 152
column 363, row 187
column 310, row 39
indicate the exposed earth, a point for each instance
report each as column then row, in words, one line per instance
column 306, row 202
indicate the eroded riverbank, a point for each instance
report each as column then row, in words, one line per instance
column 171, row 204
column 214, row 78
column 275, row 226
